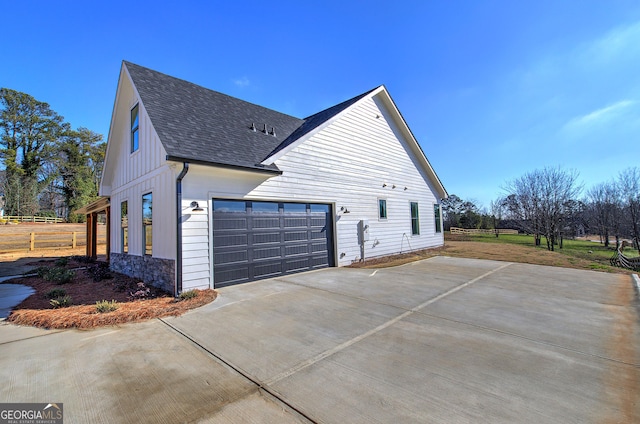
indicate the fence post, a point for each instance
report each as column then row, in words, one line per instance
column 32, row 243
column 73, row 240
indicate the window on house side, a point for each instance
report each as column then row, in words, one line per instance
column 382, row 209
column 135, row 120
column 147, row 223
column 436, row 215
column 415, row 221
column 124, row 226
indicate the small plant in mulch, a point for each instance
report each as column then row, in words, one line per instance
column 142, row 292
column 99, row 272
column 55, row 293
column 59, row 275
column 62, row 262
column 82, row 259
column 186, row 295
column 103, row 306
column 60, row 302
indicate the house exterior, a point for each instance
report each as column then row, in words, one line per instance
column 207, row 190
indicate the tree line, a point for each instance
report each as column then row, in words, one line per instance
column 50, row 169
column 549, row 204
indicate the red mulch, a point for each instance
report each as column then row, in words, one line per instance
column 137, row 301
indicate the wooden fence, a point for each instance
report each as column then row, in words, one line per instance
column 456, row 230
column 46, row 219
column 45, row 240
column 620, row 260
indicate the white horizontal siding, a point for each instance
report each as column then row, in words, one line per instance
column 196, row 268
column 344, row 164
column 348, row 162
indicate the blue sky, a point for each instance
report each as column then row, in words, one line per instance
column 491, row 89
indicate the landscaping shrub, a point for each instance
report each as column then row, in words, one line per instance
column 62, row 262
column 142, row 291
column 106, row 306
column 52, row 294
column 99, row 272
column 60, row 302
column 59, row 275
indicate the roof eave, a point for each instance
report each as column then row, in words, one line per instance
column 258, row 168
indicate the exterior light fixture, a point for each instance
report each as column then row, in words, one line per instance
column 196, row 207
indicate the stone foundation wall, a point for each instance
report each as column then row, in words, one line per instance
column 157, row 272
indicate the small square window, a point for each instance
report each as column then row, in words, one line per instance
column 382, row 208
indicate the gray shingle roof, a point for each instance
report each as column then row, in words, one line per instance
column 201, row 125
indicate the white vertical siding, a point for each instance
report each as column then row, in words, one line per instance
column 128, row 176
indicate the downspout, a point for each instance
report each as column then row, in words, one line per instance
column 178, row 287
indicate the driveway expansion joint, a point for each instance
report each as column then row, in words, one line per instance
column 346, row 344
column 261, row 386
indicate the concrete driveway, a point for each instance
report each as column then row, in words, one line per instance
column 441, row 340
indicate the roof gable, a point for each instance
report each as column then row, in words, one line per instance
column 204, row 126
column 195, row 123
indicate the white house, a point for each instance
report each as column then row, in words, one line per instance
column 207, row 190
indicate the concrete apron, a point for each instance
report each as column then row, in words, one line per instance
column 442, row 340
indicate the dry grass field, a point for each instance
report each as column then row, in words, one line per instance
column 51, row 240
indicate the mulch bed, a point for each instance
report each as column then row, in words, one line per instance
column 91, row 283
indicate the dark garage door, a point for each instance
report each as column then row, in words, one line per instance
column 254, row 240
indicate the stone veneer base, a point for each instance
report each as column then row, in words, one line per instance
column 157, row 272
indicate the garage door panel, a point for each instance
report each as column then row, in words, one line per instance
column 266, row 223
column 300, row 264
column 228, row 240
column 267, row 253
column 317, row 248
column 267, row 270
column 231, row 257
column 262, row 238
column 295, row 235
column 296, row 249
column 228, row 276
column 223, row 223
column 290, row 222
column 252, row 241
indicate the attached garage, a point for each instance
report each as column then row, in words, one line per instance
column 218, row 191
column 254, row 240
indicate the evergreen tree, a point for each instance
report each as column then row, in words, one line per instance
column 81, row 155
column 28, row 128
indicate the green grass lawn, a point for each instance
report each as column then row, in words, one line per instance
column 582, row 249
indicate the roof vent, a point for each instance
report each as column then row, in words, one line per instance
column 253, row 127
column 273, row 131
column 264, row 129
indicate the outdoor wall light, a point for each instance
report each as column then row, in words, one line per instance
column 196, row 207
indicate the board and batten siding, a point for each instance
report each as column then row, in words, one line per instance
column 131, row 175
column 351, row 163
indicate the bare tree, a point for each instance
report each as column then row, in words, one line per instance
column 541, row 201
column 629, row 184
